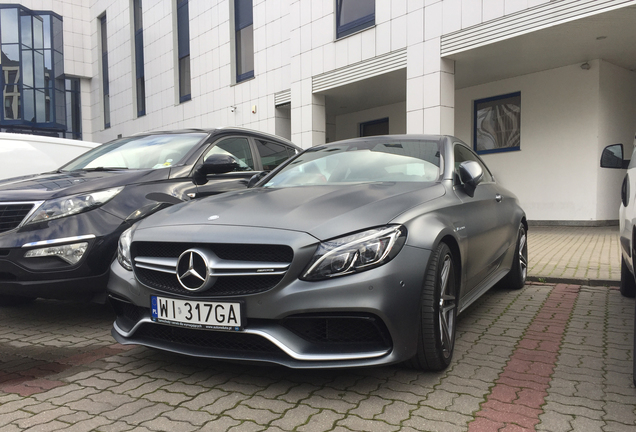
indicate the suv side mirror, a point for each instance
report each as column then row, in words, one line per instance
column 214, row 164
column 612, row 157
column 256, row 178
column 471, row 174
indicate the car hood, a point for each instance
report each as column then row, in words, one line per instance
column 53, row 185
column 322, row 211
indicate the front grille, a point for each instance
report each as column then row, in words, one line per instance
column 224, row 285
column 12, row 215
column 335, row 329
column 230, row 252
column 233, row 342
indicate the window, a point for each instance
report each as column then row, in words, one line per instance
column 375, row 127
column 353, row 16
column 238, row 148
column 183, row 49
column 244, row 39
column 497, row 124
column 273, row 154
column 105, row 85
column 140, row 82
column 462, row 154
column 34, row 89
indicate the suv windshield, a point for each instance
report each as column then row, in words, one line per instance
column 138, row 152
column 398, row 161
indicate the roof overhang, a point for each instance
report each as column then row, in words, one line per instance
column 548, row 36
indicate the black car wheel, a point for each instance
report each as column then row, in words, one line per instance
column 516, row 278
column 438, row 313
column 628, row 284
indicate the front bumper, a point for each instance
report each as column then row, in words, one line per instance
column 51, row 277
column 386, row 299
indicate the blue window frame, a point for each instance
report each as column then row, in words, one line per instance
column 34, row 88
column 244, row 39
column 140, row 82
column 183, row 48
column 497, row 124
column 105, row 79
column 353, row 16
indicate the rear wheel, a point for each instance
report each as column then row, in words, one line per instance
column 438, row 313
column 516, row 278
column 628, row 284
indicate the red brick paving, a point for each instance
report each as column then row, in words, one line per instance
column 515, row 401
column 33, row 380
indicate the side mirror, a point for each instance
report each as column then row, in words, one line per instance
column 471, row 174
column 612, row 157
column 256, row 178
column 214, row 164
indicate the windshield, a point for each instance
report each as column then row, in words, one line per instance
column 358, row 162
column 138, row 152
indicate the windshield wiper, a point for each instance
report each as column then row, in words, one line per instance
column 103, row 169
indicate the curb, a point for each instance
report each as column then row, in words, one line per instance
column 575, row 281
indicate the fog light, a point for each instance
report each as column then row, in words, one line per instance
column 71, row 253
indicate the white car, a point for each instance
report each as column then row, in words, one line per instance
column 23, row 154
column 627, row 220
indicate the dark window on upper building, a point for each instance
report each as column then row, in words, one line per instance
column 105, row 81
column 353, row 16
column 34, row 88
column 244, row 39
column 140, row 82
column 183, row 49
column 375, row 127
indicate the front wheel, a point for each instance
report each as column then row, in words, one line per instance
column 628, row 284
column 438, row 313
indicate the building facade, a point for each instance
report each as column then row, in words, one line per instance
column 539, row 88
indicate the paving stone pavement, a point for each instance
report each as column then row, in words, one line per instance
column 587, row 255
column 547, row 358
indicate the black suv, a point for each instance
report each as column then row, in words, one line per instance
column 59, row 230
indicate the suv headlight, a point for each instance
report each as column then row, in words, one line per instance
column 70, row 205
column 355, row 253
column 123, row 249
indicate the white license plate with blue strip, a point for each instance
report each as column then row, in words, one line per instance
column 197, row 314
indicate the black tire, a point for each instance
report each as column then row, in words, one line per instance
column 516, row 278
column 10, row 300
column 438, row 313
column 628, row 284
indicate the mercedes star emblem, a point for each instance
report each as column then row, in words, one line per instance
column 193, row 270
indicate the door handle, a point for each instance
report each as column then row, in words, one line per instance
column 498, row 198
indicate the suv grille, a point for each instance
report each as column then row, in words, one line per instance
column 12, row 215
column 228, row 285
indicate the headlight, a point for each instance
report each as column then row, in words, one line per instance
column 355, row 253
column 67, row 206
column 71, row 253
column 123, row 249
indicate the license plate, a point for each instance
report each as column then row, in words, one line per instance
column 197, row 314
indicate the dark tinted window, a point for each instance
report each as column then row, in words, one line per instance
column 272, row 154
column 238, row 148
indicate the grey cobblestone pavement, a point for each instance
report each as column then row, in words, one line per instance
column 547, row 357
column 589, row 255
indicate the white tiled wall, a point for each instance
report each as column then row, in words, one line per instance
column 294, row 40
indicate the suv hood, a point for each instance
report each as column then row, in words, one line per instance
column 53, row 185
column 322, row 211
